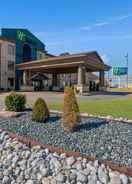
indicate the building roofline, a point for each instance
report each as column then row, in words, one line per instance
column 53, row 58
column 81, row 57
column 50, row 55
column 82, row 54
column 7, row 39
column 24, row 29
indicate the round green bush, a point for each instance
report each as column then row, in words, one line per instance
column 15, row 102
column 40, row 111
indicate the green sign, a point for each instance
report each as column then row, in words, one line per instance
column 120, row 71
column 22, row 36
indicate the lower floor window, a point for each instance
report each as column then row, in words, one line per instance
column 11, row 82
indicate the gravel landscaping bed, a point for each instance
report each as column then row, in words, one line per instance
column 21, row 164
column 105, row 140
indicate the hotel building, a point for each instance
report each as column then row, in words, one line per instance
column 7, row 63
column 25, row 64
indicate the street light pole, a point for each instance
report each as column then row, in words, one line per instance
column 127, row 67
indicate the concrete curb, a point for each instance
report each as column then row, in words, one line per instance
column 31, row 142
column 10, row 114
column 7, row 114
column 86, row 115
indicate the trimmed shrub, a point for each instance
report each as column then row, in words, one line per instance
column 71, row 114
column 40, row 111
column 15, row 102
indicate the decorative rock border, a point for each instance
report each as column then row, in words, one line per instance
column 9, row 114
column 30, row 142
column 86, row 115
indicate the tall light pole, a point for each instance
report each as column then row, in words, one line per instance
column 126, row 56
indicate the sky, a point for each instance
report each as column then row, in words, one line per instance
column 76, row 25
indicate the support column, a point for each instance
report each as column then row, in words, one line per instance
column 25, row 76
column 101, row 78
column 29, row 77
column 54, row 79
column 81, row 75
column 26, row 81
column 58, row 80
column 80, row 79
column 81, row 87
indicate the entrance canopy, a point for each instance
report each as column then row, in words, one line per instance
column 67, row 64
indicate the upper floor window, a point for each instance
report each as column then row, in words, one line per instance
column 27, row 53
column 0, row 51
column 11, row 66
column 40, row 55
column 11, row 50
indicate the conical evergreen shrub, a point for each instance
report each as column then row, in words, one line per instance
column 71, row 114
column 40, row 111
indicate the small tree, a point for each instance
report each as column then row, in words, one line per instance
column 71, row 114
column 15, row 102
column 40, row 111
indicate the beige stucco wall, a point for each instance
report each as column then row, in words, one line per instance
column 5, row 74
column 40, row 55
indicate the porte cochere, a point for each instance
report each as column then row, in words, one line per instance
column 73, row 70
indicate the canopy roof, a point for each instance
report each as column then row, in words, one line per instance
column 39, row 77
column 67, row 63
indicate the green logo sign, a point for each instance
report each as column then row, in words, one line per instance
column 21, row 35
column 120, row 71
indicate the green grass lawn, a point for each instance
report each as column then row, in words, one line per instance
column 129, row 90
column 115, row 108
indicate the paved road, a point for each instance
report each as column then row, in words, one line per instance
column 58, row 96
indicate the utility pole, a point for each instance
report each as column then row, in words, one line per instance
column 126, row 56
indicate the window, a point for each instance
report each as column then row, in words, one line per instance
column 11, row 82
column 40, row 55
column 27, row 53
column 0, row 52
column 11, row 50
column 11, row 66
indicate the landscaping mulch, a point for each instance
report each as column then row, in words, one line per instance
column 106, row 140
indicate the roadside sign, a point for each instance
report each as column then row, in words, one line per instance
column 119, row 71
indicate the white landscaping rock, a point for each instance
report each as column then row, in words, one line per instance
column 102, row 175
column 6, row 180
column 30, row 182
column 44, row 172
column 70, row 161
column 92, row 179
column 124, row 179
column 20, row 164
column 81, row 177
column 114, row 178
column 60, row 178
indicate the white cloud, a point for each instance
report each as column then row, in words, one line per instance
column 86, row 28
column 106, row 22
column 89, row 28
column 123, row 17
column 109, row 37
column 100, row 24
